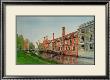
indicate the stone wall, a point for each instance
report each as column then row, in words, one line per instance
column 86, row 33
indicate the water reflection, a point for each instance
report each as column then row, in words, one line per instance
column 68, row 59
column 61, row 59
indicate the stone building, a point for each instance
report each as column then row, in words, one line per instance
column 86, row 37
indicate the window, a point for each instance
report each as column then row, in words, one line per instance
column 91, row 38
column 82, row 31
column 82, row 39
column 68, row 48
column 60, row 48
column 73, row 48
column 70, row 42
column 91, row 46
column 82, row 46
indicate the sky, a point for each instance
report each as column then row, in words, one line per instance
column 35, row 28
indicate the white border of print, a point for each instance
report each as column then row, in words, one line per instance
column 84, row 70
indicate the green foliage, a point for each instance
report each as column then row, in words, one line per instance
column 20, row 41
column 29, row 58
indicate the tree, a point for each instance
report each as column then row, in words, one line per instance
column 20, row 41
column 31, row 45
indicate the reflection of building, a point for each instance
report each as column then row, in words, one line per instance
column 26, row 44
column 72, row 43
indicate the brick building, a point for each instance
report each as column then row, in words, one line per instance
column 82, row 40
column 67, row 43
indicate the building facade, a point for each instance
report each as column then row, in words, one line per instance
column 86, row 33
column 80, row 41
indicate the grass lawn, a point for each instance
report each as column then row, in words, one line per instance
column 29, row 58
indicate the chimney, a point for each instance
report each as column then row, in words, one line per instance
column 53, row 36
column 63, row 39
column 63, row 31
column 53, row 42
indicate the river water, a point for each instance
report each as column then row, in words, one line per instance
column 66, row 59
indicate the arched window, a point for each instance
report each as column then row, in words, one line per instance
column 82, row 46
column 82, row 39
column 91, row 38
column 82, row 31
column 70, row 42
column 91, row 46
column 73, row 48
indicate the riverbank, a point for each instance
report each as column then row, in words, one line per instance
column 30, row 58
